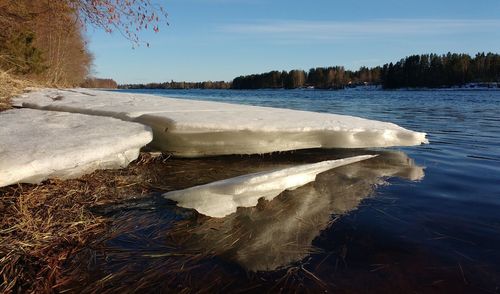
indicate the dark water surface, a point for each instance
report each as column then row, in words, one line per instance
column 413, row 220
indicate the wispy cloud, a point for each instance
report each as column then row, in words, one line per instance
column 335, row 30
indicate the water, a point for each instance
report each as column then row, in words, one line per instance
column 415, row 219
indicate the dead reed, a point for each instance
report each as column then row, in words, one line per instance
column 11, row 86
column 42, row 225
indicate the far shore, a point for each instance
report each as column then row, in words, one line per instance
column 472, row 86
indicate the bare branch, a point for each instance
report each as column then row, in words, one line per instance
column 129, row 17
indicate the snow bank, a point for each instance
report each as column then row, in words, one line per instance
column 36, row 145
column 189, row 128
column 221, row 198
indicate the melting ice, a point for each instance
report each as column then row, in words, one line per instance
column 189, row 128
column 222, row 198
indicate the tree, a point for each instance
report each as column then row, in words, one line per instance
column 44, row 40
column 129, row 17
column 433, row 71
column 293, row 79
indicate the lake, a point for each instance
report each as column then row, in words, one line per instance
column 414, row 219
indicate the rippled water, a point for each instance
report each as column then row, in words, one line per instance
column 415, row 219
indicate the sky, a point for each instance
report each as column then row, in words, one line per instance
column 222, row 39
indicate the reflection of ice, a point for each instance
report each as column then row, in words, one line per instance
column 222, row 198
column 278, row 232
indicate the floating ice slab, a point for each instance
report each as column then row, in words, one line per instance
column 190, row 128
column 36, row 145
column 280, row 232
column 222, row 198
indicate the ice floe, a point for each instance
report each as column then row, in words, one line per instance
column 189, row 128
column 36, row 145
column 277, row 233
column 222, row 198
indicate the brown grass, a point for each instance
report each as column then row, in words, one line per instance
column 42, row 225
column 11, row 86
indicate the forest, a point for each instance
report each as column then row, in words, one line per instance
column 320, row 78
column 43, row 43
column 99, row 83
column 438, row 71
column 416, row 71
column 179, row 85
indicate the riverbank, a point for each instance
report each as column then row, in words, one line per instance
column 11, row 86
column 44, row 225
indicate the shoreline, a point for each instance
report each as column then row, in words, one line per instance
column 49, row 229
column 44, row 225
column 370, row 88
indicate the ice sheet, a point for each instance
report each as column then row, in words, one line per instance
column 189, row 128
column 36, row 145
column 222, row 198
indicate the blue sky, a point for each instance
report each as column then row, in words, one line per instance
column 221, row 39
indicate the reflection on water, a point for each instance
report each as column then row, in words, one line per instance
column 154, row 244
column 279, row 232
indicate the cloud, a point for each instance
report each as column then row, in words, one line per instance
column 335, row 30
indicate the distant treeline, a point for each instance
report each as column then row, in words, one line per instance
column 179, row 85
column 99, row 83
column 435, row 71
column 427, row 70
column 320, row 78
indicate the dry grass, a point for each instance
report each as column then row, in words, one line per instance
column 11, row 86
column 42, row 225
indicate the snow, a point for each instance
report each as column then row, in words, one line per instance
column 189, row 128
column 222, row 198
column 36, row 145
